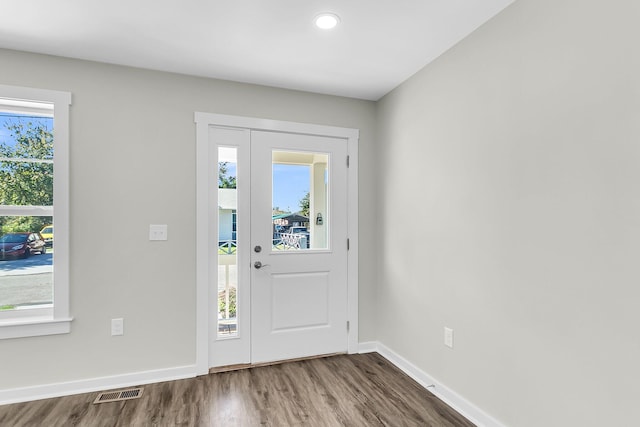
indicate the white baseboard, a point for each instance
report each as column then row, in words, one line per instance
column 367, row 347
column 95, row 384
column 444, row 393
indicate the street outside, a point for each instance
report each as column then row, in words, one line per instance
column 26, row 281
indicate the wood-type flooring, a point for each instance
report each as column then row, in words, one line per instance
column 345, row 390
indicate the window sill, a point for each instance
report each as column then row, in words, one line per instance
column 34, row 327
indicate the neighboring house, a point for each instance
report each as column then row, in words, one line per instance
column 287, row 220
column 285, row 223
column 227, row 205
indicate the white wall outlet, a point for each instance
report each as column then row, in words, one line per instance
column 157, row 232
column 117, row 327
column 448, row 337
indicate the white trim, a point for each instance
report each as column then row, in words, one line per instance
column 20, row 327
column 352, row 234
column 25, row 394
column 59, row 322
column 367, row 347
column 26, row 160
column 9, row 210
column 254, row 123
column 202, row 247
column 441, row 391
column 21, row 93
column 21, row 106
column 203, row 121
column 61, row 159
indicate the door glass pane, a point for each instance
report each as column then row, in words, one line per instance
column 300, row 218
column 227, row 243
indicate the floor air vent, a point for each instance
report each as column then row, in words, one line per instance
column 116, row 396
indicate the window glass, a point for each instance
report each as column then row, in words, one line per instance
column 299, row 216
column 26, row 186
column 227, row 298
column 34, row 149
column 26, row 266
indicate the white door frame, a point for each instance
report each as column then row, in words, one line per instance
column 204, row 247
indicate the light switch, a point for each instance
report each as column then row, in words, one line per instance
column 117, row 327
column 158, row 232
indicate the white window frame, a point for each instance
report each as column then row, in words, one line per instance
column 56, row 319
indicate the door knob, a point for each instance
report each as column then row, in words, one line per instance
column 258, row 265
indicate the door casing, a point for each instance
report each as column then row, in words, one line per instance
column 203, row 222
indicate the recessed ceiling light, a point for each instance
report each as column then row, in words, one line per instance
column 327, row 21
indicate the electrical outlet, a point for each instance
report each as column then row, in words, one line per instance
column 157, row 232
column 448, row 337
column 117, row 327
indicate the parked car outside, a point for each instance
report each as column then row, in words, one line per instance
column 47, row 235
column 21, row 245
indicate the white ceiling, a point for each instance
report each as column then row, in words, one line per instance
column 378, row 44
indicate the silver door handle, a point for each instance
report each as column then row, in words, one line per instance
column 259, row 265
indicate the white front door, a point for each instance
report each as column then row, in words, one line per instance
column 299, row 272
column 274, row 268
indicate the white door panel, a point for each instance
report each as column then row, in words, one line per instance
column 299, row 300
column 299, row 296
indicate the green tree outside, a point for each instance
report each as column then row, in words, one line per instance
column 23, row 181
column 224, row 180
column 304, row 205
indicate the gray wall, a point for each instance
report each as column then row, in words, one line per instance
column 133, row 164
column 510, row 212
column 499, row 198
